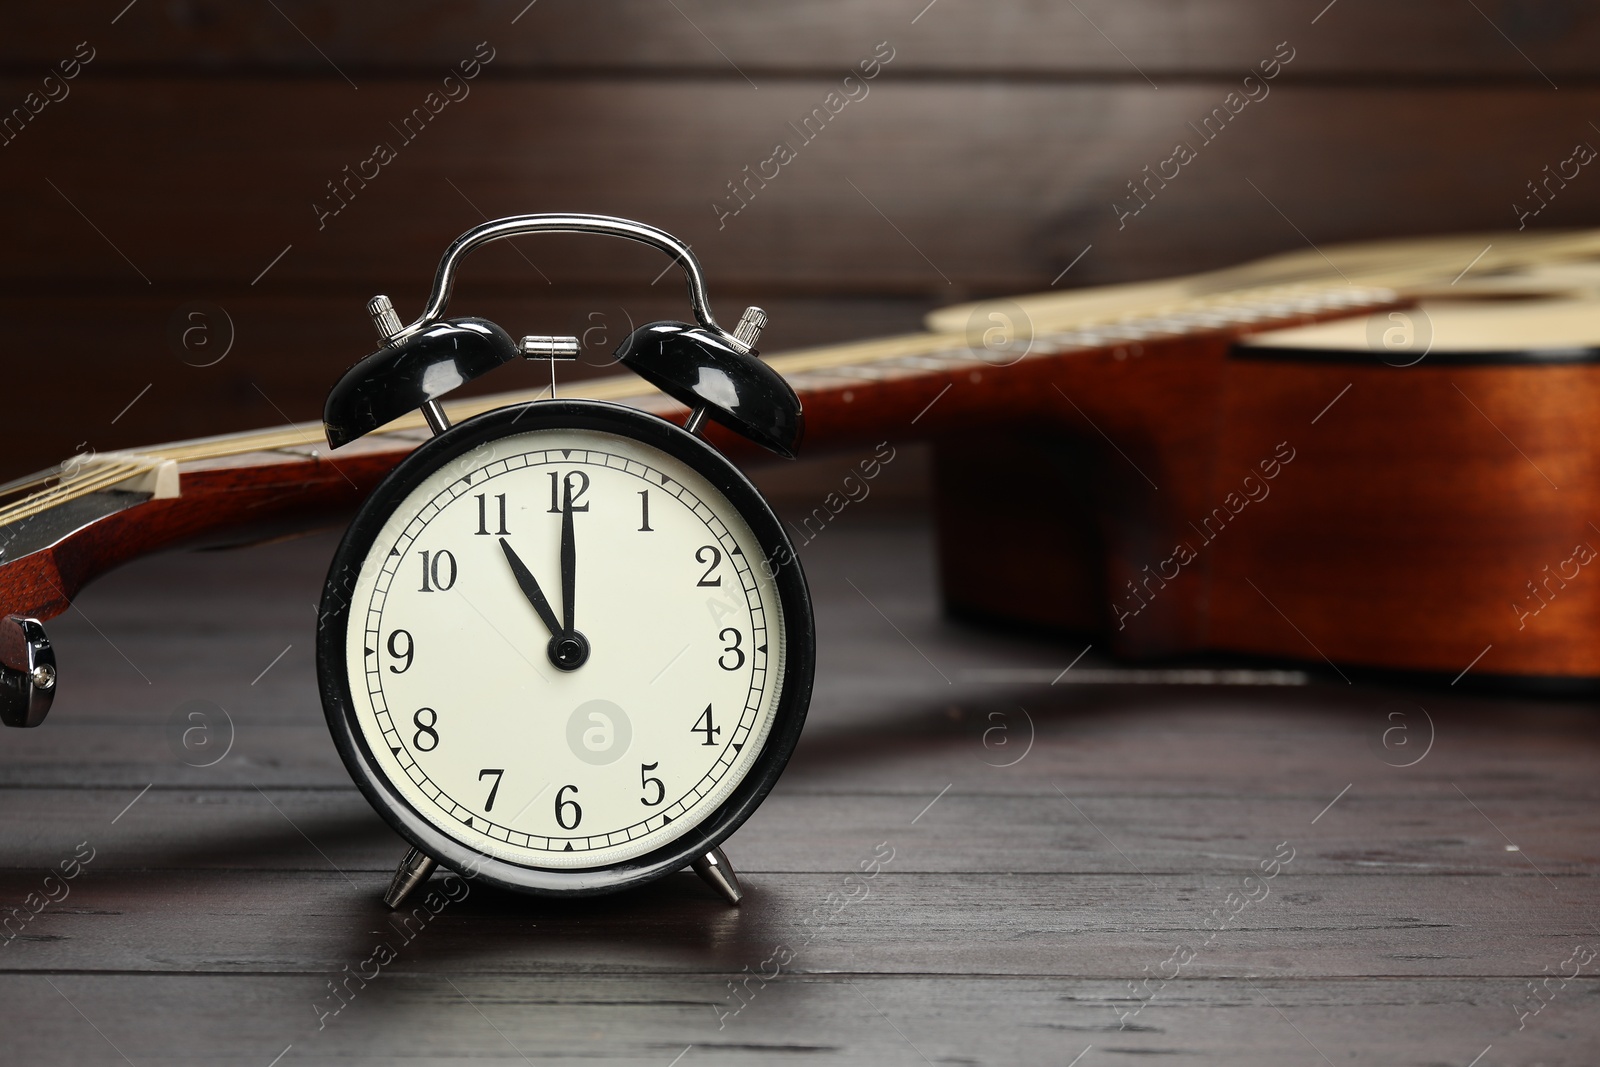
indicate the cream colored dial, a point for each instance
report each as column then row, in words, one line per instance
column 454, row 687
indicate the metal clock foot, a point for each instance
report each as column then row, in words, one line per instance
column 718, row 874
column 412, row 872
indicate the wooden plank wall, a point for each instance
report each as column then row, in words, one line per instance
column 182, row 168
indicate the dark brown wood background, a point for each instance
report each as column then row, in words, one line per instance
column 985, row 158
column 1030, row 896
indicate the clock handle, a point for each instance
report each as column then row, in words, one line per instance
column 607, row 225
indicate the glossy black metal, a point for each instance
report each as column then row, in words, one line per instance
column 700, row 368
column 402, row 376
column 569, row 651
column 778, row 556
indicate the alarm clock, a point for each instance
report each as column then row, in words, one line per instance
column 565, row 646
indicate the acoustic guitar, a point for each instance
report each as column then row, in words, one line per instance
column 1373, row 455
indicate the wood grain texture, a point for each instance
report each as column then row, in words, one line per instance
column 1006, row 213
column 822, row 825
column 1007, row 929
column 584, row 1019
column 1213, row 38
column 1349, row 530
column 990, row 923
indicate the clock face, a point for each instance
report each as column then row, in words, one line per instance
column 562, row 649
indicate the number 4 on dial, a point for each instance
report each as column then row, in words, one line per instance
column 706, row 725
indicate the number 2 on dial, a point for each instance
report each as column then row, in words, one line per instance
column 716, row 558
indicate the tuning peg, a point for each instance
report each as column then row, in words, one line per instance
column 751, row 323
column 381, row 308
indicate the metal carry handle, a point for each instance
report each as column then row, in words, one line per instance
column 607, row 225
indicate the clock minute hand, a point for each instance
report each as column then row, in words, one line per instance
column 530, row 589
column 569, row 562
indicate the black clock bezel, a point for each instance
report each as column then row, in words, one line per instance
column 795, row 603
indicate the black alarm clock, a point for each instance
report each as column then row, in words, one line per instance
column 565, row 646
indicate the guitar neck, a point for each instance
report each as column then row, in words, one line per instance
column 61, row 529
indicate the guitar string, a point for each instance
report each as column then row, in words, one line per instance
column 1406, row 269
column 103, row 476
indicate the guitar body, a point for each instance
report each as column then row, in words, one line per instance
column 1297, row 497
column 1090, row 473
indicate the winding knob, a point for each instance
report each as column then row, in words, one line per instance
column 384, row 318
column 751, row 323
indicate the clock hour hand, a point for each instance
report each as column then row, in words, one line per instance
column 530, row 589
column 568, row 649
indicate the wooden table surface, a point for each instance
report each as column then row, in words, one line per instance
column 1059, row 857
